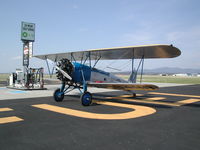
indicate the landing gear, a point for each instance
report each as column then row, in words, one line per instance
column 86, row 99
column 134, row 94
column 58, row 95
column 65, row 70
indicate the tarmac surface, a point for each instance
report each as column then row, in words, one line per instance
column 168, row 118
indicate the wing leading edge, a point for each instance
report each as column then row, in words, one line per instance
column 125, row 86
column 137, row 52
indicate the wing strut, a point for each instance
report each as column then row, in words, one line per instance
column 50, row 72
column 48, row 68
column 133, row 75
column 96, row 61
column 133, row 66
column 142, row 69
column 72, row 57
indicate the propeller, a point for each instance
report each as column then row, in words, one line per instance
column 64, row 70
column 64, row 73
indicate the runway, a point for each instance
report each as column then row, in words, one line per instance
column 164, row 119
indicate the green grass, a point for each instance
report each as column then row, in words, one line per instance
column 48, row 76
column 167, row 79
column 4, row 76
column 146, row 78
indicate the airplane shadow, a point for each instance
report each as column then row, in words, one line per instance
column 112, row 95
column 101, row 97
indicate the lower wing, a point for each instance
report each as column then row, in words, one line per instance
column 125, row 86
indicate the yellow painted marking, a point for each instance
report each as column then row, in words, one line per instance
column 138, row 111
column 170, row 94
column 144, row 101
column 155, row 98
column 5, row 109
column 10, row 119
column 187, row 101
column 151, row 98
column 131, row 95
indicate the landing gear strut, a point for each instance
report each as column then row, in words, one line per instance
column 64, row 73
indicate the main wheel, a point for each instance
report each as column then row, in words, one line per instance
column 58, row 95
column 86, row 99
column 134, row 94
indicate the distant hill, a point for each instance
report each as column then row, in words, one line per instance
column 165, row 70
column 171, row 70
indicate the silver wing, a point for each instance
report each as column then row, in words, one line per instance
column 137, row 52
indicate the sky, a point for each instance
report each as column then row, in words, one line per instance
column 74, row 25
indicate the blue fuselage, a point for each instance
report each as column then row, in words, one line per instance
column 83, row 72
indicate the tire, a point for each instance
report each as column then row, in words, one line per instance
column 58, row 95
column 86, row 99
column 134, row 94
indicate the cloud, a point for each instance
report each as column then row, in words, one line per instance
column 189, row 36
column 75, row 6
column 186, row 39
column 139, row 38
column 83, row 29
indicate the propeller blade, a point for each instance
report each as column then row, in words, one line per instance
column 64, row 73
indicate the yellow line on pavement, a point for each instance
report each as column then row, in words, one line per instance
column 171, row 94
column 10, row 119
column 131, row 95
column 152, row 101
column 187, row 101
column 138, row 111
column 144, row 101
column 5, row 109
column 155, row 98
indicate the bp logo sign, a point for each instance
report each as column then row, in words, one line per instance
column 24, row 34
column 28, row 31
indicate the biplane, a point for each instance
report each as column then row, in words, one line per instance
column 77, row 69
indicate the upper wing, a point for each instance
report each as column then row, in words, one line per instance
column 124, row 86
column 147, row 51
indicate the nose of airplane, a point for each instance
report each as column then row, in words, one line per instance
column 64, row 70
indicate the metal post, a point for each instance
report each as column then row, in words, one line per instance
column 26, row 62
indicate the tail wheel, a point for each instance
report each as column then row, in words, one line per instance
column 58, row 95
column 86, row 99
column 66, row 66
